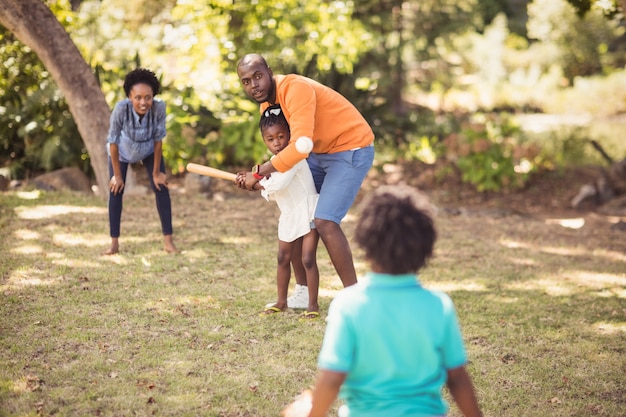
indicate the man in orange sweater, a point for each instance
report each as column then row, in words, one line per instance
column 330, row 133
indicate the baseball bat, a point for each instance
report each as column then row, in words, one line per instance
column 210, row 171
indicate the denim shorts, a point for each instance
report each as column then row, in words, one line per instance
column 338, row 178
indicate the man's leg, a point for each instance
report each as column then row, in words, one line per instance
column 338, row 249
column 338, row 178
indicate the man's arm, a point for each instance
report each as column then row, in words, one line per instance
column 298, row 99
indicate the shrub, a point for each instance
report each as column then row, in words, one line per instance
column 490, row 152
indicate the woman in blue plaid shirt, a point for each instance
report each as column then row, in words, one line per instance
column 136, row 134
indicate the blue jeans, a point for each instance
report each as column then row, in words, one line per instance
column 163, row 202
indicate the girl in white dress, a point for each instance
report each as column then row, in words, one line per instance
column 294, row 192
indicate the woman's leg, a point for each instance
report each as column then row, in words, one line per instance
column 163, row 204
column 115, row 210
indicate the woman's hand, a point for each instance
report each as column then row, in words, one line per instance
column 159, row 179
column 116, row 184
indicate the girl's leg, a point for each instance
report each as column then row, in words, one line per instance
column 115, row 210
column 283, row 272
column 296, row 263
column 164, row 205
column 300, row 297
column 309, row 260
column 283, row 275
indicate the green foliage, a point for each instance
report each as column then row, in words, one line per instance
column 37, row 131
column 608, row 7
column 601, row 96
column 309, row 36
column 491, row 154
column 195, row 135
column 578, row 44
column 239, row 143
column 415, row 137
column 387, row 57
column 568, row 146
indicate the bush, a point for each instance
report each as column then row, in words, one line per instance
column 491, row 153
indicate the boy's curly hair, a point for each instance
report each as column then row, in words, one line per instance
column 271, row 116
column 396, row 229
column 142, row 76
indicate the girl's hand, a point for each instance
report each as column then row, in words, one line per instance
column 240, row 180
column 160, row 179
column 116, row 184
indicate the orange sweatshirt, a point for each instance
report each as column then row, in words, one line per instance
column 318, row 112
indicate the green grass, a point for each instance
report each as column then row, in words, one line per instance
column 543, row 311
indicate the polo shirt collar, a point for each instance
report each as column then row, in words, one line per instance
column 388, row 280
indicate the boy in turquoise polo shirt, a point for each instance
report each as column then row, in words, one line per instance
column 390, row 344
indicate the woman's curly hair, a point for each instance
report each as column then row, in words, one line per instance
column 396, row 229
column 142, row 76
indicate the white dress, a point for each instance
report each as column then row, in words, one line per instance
column 294, row 192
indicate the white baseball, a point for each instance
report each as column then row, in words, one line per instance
column 304, row 145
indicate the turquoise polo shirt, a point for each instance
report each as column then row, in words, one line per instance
column 395, row 340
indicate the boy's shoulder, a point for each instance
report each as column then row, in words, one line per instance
column 361, row 291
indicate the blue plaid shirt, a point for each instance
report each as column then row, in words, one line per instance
column 136, row 138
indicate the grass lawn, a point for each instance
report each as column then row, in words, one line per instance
column 143, row 333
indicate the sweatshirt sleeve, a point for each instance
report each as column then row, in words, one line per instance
column 298, row 99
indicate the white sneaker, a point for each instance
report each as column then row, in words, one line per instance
column 299, row 298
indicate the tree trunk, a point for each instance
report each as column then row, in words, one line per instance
column 32, row 22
